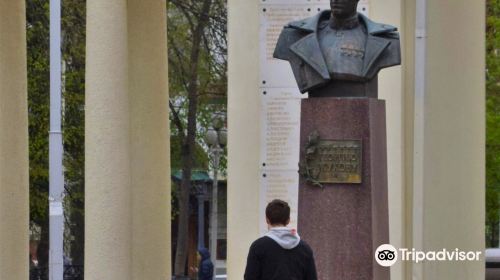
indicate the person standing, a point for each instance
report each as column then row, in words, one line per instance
column 280, row 254
column 206, row 269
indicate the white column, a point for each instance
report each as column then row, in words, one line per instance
column 454, row 136
column 14, row 190
column 108, row 192
column 243, row 192
column 150, row 138
column 391, row 83
column 127, row 141
column 436, row 133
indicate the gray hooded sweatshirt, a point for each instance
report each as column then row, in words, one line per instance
column 287, row 238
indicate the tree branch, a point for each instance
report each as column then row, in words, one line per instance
column 177, row 120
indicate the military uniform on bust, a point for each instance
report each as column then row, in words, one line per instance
column 338, row 58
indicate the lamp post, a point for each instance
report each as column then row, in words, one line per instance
column 216, row 139
column 56, row 151
column 199, row 191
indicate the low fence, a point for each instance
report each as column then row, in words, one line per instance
column 71, row 272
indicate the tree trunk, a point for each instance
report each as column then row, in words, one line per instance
column 43, row 246
column 189, row 142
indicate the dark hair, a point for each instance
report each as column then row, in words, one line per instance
column 278, row 212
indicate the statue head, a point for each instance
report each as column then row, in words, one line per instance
column 343, row 9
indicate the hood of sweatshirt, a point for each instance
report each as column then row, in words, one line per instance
column 204, row 253
column 287, row 238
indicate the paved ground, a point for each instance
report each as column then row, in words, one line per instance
column 492, row 273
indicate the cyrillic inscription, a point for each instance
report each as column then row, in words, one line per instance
column 333, row 161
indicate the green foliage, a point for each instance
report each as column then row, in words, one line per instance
column 212, row 80
column 73, row 50
column 200, row 155
column 37, row 36
column 212, row 69
column 73, row 27
column 492, row 122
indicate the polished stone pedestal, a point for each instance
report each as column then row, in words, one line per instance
column 345, row 223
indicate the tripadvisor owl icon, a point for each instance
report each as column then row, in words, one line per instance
column 386, row 255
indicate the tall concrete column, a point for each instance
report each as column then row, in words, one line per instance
column 244, row 109
column 444, row 131
column 391, row 82
column 449, row 197
column 127, row 141
column 14, row 191
column 150, row 138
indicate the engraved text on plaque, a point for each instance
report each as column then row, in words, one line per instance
column 333, row 161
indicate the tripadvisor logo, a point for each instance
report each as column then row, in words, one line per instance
column 387, row 255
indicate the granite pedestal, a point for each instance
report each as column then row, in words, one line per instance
column 345, row 222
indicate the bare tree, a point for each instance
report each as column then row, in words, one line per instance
column 197, row 68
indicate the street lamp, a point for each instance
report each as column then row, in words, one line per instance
column 199, row 191
column 216, row 139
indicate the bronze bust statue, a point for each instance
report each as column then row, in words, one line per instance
column 338, row 52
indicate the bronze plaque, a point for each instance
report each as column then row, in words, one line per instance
column 333, row 161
